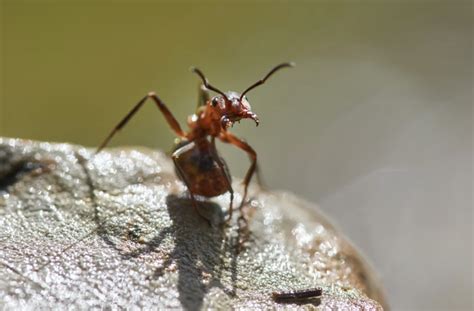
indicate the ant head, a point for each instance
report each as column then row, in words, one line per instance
column 233, row 106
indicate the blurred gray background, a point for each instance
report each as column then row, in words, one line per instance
column 374, row 124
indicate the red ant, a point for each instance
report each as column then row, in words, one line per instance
column 195, row 156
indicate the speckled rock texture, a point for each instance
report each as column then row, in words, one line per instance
column 117, row 230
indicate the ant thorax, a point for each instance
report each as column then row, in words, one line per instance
column 203, row 123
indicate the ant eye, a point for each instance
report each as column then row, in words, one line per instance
column 214, row 101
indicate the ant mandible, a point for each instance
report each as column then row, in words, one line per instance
column 195, row 156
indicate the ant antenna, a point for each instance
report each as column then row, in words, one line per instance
column 262, row 81
column 206, row 82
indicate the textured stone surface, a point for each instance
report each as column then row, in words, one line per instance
column 117, row 230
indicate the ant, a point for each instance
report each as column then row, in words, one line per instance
column 197, row 162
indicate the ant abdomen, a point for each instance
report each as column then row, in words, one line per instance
column 198, row 165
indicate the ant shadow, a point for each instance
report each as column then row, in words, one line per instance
column 200, row 245
column 199, row 249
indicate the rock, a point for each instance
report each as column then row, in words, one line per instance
column 117, row 230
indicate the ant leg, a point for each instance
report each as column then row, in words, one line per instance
column 260, row 181
column 167, row 114
column 203, row 95
column 175, row 157
column 227, row 177
column 243, row 228
column 231, row 139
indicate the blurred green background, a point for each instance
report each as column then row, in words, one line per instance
column 374, row 123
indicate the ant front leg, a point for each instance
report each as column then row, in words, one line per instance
column 231, row 139
column 159, row 103
column 243, row 230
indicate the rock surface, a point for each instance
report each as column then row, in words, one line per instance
column 117, row 230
